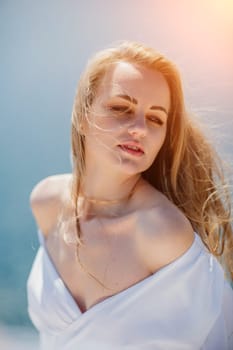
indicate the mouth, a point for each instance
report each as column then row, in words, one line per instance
column 131, row 149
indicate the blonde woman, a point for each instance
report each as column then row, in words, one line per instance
column 136, row 243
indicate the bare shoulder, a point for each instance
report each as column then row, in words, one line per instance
column 165, row 234
column 47, row 198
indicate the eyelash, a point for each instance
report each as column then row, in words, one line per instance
column 156, row 120
column 127, row 110
column 120, row 109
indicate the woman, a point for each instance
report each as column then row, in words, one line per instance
column 132, row 240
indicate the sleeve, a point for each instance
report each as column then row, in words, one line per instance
column 221, row 334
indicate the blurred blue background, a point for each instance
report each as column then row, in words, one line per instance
column 44, row 47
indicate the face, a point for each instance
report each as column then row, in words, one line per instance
column 127, row 124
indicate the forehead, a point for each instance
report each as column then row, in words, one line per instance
column 135, row 81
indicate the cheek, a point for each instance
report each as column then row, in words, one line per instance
column 108, row 124
column 159, row 138
column 164, row 135
column 101, row 134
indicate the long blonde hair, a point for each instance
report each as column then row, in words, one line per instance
column 187, row 169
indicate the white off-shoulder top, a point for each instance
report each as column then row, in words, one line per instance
column 186, row 305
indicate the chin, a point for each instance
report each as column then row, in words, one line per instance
column 130, row 168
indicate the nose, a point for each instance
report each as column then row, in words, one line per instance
column 138, row 126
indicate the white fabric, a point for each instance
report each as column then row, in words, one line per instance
column 186, row 305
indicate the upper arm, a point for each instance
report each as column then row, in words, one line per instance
column 46, row 202
column 168, row 235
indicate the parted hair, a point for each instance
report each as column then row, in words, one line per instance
column 187, row 169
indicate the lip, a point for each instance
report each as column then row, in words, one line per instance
column 124, row 147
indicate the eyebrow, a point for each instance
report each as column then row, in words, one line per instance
column 134, row 101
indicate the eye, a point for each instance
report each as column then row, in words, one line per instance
column 120, row 109
column 155, row 119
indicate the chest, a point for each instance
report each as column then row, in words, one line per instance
column 109, row 261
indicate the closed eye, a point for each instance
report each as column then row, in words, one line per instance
column 123, row 109
column 155, row 120
column 120, row 108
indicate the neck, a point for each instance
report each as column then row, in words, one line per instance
column 107, row 197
